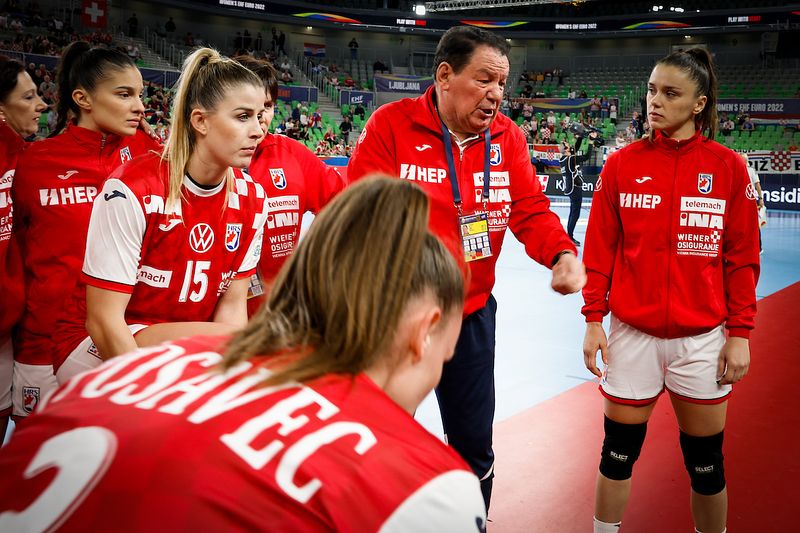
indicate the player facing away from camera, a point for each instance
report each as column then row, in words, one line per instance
column 301, row 422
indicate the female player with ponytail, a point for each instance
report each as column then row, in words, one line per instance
column 56, row 182
column 672, row 253
column 174, row 238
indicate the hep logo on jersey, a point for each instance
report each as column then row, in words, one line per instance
column 495, row 155
column 278, row 178
column 30, row 398
column 232, row 235
column 125, row 154
column 704, row 183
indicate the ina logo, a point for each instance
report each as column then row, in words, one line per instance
column 232, row 235
column 278, row 178
column 495, row 155
column 705, row 182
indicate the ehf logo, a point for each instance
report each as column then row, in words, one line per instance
column 232, row 235
column 278, row 178
column 30, row 398
column 495, row 155
column 201, row 238
column 705, row 182
column 125, row 154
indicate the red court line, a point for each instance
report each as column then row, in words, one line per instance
column 547, row 456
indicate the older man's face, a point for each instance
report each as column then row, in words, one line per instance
column 470, row 100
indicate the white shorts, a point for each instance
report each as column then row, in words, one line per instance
column 31, row 384
column 85, row 357
column 640, row 366
column 6, row 376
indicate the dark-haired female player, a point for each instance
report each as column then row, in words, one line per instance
column 672, row 253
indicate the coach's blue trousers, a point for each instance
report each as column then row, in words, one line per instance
column 466, row 395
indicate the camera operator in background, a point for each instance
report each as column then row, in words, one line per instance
column 572, row 175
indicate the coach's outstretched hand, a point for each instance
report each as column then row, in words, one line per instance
column 569, row 274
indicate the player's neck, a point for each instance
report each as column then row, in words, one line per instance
column 205, row 172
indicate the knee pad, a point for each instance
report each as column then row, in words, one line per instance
column 621, row 448
column 703, row 459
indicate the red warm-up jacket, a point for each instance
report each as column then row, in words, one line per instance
column 404, row 139
column 672, row 242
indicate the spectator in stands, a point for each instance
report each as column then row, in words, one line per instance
column 379, row 66
column 281, row 42
column 286, row 77
column 274, row 41
column 572, row 93
column 133, row 25
column 349, row 82
column 353, row 45
column 612, row 112
column 330, row 137
column 188, row 40
column 551, row 121
column 316, row 120
column 583, row 94
column 170, row 28
column 527, row 91
column 594, row 107
column 359, row 110
column 259, row 42
column 285, row 65
column 47, row 86
column 748, row 125
column 527, row 129
column 516, row 109
column 247, row 39
column 345, row 128
column 727, row 126
column 544, row 134
column 527, row 111
column 604, row 107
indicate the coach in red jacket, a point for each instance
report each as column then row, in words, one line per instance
column 455, row 130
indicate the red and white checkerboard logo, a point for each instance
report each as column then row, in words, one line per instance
column 781, row 161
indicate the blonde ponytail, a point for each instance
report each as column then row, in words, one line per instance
column 205, row 79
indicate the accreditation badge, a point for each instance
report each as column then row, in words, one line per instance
column 475, row 236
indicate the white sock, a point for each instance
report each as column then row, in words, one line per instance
column 605, row 527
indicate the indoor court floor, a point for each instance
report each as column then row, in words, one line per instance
column 548, row 423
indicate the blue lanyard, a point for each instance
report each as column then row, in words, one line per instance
column 451, row 166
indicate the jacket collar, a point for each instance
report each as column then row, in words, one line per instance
column 91, row 140
column 430, row 119
column 664, row 142
column 11, row 138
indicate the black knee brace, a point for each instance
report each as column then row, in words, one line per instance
column 621, row 448
column 703, row 459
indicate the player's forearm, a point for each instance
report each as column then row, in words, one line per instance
column 110, row 335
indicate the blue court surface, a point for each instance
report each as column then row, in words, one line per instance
column 540, row 333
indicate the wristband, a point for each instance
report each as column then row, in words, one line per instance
column 558, row 256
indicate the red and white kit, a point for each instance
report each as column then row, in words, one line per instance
column 175, row 263
column 56, row 182
column 160, row 440
column 12, row 280
column 672, row 244
column 296, row 182
column 399, row 140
